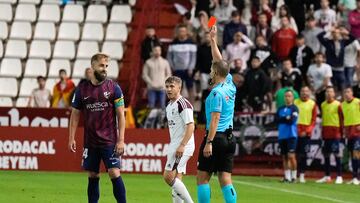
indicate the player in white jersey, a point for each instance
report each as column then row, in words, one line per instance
column 179, row 113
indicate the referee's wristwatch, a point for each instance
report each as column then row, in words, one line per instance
column 209, row 141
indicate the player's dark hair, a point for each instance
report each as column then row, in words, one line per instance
column 221, row 68
column 330, row 87
column 62, row 71
column 348, row 88
column 173, row 79
column 97, row 57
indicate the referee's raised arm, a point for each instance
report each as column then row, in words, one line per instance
column 215, row 52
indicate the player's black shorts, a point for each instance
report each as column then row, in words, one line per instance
column 222, row 158
column 303, row 145
column 287, row 145
column 354, row 144
column 93, row 156
column 331, row 146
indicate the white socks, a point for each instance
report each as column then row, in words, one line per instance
column 287, row 174
column 181, row 191
column 293, row 175
column 175, row 197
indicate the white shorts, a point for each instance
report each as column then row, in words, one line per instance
column 171, row 163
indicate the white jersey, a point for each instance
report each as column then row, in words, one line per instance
column 179, row 114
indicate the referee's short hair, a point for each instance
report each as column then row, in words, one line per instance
column 221, row 68
column 97, row 57
column 174, row 79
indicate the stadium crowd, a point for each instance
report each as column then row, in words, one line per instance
column 272, row 45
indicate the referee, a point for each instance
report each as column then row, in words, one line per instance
column 217, row 149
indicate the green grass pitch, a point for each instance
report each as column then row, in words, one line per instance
column 39, row 187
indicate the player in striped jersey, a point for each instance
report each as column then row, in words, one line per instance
column 179, row 113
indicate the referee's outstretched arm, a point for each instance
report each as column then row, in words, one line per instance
column 215, row 52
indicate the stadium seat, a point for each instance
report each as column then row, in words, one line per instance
column 93, row 32
column 80, row 66
column 64, row 50
column 113, row 69
column 56, row 65
column 87, row 49
column 69, row 31
column 45, row 31
column 73, row 13
column 6, row 13
column 113, row 49
column 96, row 14
column 50, row 83
column 25, row 12
column 49, row 13
column 59, row 2
column 40, row 49
column 6, row 102
column 11, row 67
column 8, row 1
column 36, row 2
column 21, row 30
column 27, row 86
column 35, row 67
column 22, row 102
column 16, row 49
column 121, row 14
column 3, row 30
column 132, row 2
column 1, row 48
column 8, row 87
column 116, row 32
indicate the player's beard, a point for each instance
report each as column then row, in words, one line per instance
column 100, row 76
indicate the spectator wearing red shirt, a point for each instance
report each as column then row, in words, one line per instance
column 284, row 39
column 354, row 21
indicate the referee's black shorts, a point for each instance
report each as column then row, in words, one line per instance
column 222, row 158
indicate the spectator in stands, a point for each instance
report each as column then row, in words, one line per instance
column 297, row 10
column 310, row 34
column 240, row 99
column 291, row 74
column 238, row 67
column 233, row 27
column 62, row 91
column 87, row 75
column 284, row 39
column 265, row 54
column 240, row 48
column 354, row 20
column 257, row 85
column 223, row 12
column 40, row 97
column 319, row 75
column 148, row 43
column 186, row 20
column 335, row 50
column 262, row 29
column 301, row 56
column 204, row 61
column 276, row 20
column 261, row 6
column 344, row 8
column 351, row 61
column 325, row 16
column 182, row 58
column 280, row 94
column 156, row 70
column 203, row 26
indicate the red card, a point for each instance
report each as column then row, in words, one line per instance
column 211, row 22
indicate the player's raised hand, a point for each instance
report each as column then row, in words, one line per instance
column 119, row 148
column 180, row 151
column 207, row 150
column 72, row 145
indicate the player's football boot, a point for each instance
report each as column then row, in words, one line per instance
column 354, row 181
column 325, row 179
column 302, row 178
column 339, row 180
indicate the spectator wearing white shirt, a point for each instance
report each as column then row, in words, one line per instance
column 325, row 16
column 351, row 59
column 40, row 97
column 319, row 75
column 239, row 49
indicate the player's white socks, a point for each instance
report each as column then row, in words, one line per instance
column 175, row 197
column 287, row 174
column 293, row 175
column 181, row 191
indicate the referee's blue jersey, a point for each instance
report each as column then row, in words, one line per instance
column 221, row 99
column 287, row 117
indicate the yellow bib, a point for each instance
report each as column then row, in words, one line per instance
column 351, row 112
column 305, row 111
column 330, row 115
